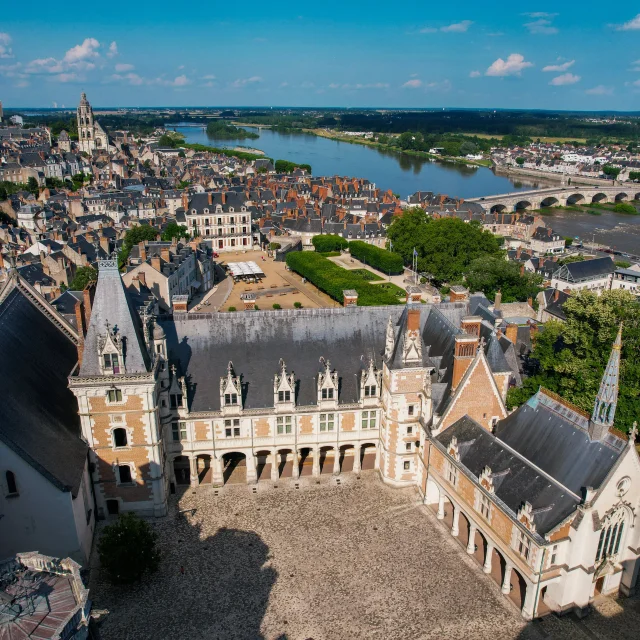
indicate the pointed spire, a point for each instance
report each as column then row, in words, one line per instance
column 633, row 434
column 605, row 407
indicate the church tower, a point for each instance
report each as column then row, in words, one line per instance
column 86, row 130
column 121, row 384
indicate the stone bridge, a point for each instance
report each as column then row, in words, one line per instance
column 558, row 196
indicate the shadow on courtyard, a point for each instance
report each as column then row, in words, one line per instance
column 214, row 587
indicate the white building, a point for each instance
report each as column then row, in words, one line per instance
column 594, row 275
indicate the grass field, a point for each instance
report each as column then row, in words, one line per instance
column 486, row 136
column 367, row 275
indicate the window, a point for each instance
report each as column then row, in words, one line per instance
column 523, row 545
column 12, row 487
column 370, row 391
column 409, row 430
column 111, row 362
column 176, row 400
column 452, row 473
column 369, row 419
column 230, row 398
column 284, row 396
column 232, row 428
column 120, row 437
column 114, row 395
column 327, row 394
column 124, row 473
column 554, row 555
column 327, row 421
column 407, row 465
column 179, row 431
column 408, row 446
column 283, row 424
column 609, row 543
column 485, row 506
column 411, row 409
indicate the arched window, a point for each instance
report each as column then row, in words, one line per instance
column 610, row 536
column 12, row 487
column 119, row 437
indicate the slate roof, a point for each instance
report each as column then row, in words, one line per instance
column 585, row 270
column 39, row 414
column 516, row 480
column 555, row 438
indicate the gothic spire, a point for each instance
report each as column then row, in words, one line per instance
column 607, row 398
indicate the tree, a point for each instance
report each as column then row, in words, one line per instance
column 468, row 148
column 634, row 175
column 127, row 549
column 608, row 170
column 624, row 207
column 84, row 275
column 445, row 247
column 143, row 233
column 174, row 230
column 570, row 357
column 32, row 185
column 520, row 160
column 488, row 274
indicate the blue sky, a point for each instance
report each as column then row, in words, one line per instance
column 568, row 55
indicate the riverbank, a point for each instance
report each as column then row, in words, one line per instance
column 556, row 178
column 334, row 135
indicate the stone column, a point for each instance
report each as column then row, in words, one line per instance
column 529, row 600
column 356, row 459
column 506, row 583
column 315, row 472
column 456, row 518
column 336, row 462
column 487, row 561
column 295, row 472
column 377, row 462
column 217, row 472
column 193, row 468
column 441, row 500
column 275, row 474
column 471, row 547
column 252, row 471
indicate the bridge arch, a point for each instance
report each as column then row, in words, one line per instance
column 637, row 196
column 599, row 197
column 621, row 197
column 498, row 208
column 523, row 204
column 550, row 201
column 575, row 198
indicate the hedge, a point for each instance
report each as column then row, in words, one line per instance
column 377, row 258
column 333, row 280
column 330, row 242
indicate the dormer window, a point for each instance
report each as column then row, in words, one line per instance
column 175, row 400
column 284, row 396
column 327, row 394
column 370, row 391
column 230, row 399
column 112, row 362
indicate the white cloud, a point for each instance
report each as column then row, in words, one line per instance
column 512, row 66
column 475, row 74
column 566, row 78
column 84, row 51
column 180, row 81
column 542, row 26
column 333, row 85
column 122, row 67
column 357, row 87
column 636, row 83
column 5, row 46
column 631, row 25
column 560, row 67
column 600, row 90
column 458, row 27
column 243, row 82
column 113, row 50
column 209, row 76
column 45, row 65
column 67, row 77
column 445, row 85
column 412, row 84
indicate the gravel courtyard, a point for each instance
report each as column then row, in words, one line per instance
column 328, row 562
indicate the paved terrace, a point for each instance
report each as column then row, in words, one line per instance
column 328, row 562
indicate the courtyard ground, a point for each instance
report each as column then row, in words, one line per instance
column 328, row 562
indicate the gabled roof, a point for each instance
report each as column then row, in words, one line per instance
column 585, row 270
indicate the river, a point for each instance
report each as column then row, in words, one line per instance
column 405, row 175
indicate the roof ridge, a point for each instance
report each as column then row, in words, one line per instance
column 566, row 403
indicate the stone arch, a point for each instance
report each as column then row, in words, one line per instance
column 368, row 452
column 203, row 468
column 448, row 513
column 263, row 465
column 181, row 470
column 234, row 465
column 575, row 198
column 306, row 461
column 550, row 201
column 599, row 197
column 498, row 208
column 326, row 460
column 347, row 452
column 522, row 204
column 517, row 589
column 498, row 565
column 621, row 197
column 286, row 459
column 481, row 546
column 464, row 528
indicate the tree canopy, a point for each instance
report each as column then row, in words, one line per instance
column 446, row 247
column 175, row 230
column 84, row 275
column 143, row 233
column 127, row 549
column 569, row 358
column 488, row 274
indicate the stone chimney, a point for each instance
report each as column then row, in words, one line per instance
column 142, row 250
column 104, row 244
column 180, row 304
column 210, row 198
column 156, row 264
column 498, row 301
column 414, row 295
column 82, row 329
column 185, row 201
column 87, row 301
column 249, row 300
column 350, row 297
column 465, row 351
column 471, row 325
column 142, row 278
column 512, row 332
column 165, row 254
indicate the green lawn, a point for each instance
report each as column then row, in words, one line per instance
column 365, row 274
